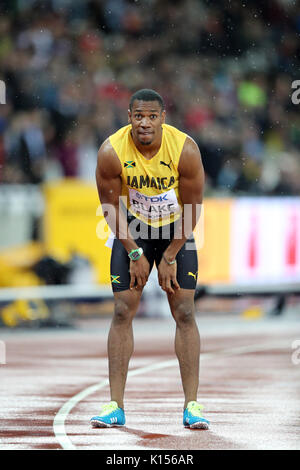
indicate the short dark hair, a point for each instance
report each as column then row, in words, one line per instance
column 146, row 95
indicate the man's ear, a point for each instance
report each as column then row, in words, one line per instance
column 129, row 116
column 163, row 116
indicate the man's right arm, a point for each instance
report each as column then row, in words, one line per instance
column 109, row 184
column 108, row 177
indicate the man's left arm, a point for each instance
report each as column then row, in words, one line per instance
column 191, row 187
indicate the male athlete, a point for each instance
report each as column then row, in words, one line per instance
column 156, row 170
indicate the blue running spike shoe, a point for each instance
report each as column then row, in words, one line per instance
column 192, row 416
column 111, row 415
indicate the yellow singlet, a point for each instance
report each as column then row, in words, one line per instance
column 151, row 186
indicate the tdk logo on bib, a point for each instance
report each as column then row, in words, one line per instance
column 154, row 207
column 152, row 198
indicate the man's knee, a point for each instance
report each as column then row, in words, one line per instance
column 183, row 312
column 124, row 311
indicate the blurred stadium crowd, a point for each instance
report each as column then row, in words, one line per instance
column 224, row 68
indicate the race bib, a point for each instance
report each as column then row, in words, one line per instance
column 154, row 207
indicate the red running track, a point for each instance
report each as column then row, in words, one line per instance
column 249, row 386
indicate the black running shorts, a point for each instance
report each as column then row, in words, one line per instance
column 154, row 242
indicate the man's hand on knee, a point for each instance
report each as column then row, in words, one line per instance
column 167, row 277
column 139, row 273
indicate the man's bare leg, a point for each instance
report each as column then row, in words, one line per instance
column 120, row 341
column 187, row 341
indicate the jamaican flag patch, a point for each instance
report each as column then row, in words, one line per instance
column 129, row 164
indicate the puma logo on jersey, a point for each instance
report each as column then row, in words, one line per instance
column 166, row 164
column 192, row 274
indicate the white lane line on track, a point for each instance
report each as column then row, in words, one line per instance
column 60, row 418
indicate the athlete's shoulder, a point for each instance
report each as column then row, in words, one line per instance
column 190, row 145
column 173, row 131
column 120, row 134
column 108, row 163
column 190, row 159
